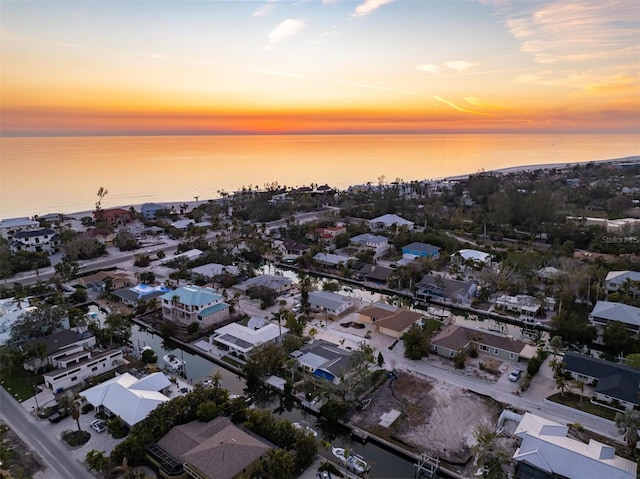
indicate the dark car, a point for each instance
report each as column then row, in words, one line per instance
column 58, row 416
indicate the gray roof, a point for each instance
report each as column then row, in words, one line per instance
column 422, row 247
column 56, row 341
column 615, row 380
column 325, row 355
column 365, row 238
column 34, row 233
column 326, row 299
column 617, row 312
column 266, row 281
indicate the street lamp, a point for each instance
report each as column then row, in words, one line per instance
column 35, row 396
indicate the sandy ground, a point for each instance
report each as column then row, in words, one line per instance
column 437, row 418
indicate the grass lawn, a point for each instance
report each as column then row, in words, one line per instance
column 431, row 325
column 573, row 400
column 19, row 384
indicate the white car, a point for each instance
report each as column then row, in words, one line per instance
column 98, row 425
column 515, row 375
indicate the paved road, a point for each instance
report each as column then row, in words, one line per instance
column 60, row 464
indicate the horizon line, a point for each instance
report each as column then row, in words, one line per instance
column 76, row 134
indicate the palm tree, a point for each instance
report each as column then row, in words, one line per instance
column 578, row 384
column 628, row 424
column 561, row 384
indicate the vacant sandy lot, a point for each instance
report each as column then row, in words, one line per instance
column 437, row 418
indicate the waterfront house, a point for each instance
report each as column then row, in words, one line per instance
column 389, row 320
column 420, row 250
column 128, row 397
column 74, row 369
column 207, row 450
column 142, row 292
column 366, row 241
column 11, row 226
column 526, row 306
column 605, row 312
column 115, row 216
column 35, row 240
column 241, row 340
column 446, row 288
column 545, row 450
column 613, row 382
column 329, row 261
column 455, row 339
column 324, row 360
column 149, row 210
column 274, row 284
column 378, row 275
column 190, row 304
column 331, row 303
column 389, row 222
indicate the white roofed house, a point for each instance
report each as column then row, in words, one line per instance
column 241, row 340
column 212, row 271
column 546, row 451
column 331, row 303
column 389, row 222
column 478, row 258
column 189, row 304
column 128, row 397
column 527, row 306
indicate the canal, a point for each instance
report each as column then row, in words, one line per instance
column 384, row 463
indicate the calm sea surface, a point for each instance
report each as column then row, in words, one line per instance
column 62, row 175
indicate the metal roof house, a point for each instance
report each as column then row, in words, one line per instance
column 544, row 446
column 332, row 303
column 605, row 312
column 389, row 221
column 242, row 340
column 128, row 397
column 276, row 284
column 421, row 250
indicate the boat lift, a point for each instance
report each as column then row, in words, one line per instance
column 427, row 466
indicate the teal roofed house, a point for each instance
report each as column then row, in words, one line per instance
column 189, row 304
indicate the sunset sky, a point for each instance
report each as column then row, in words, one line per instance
column 331, row 66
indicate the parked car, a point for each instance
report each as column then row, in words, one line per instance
column 515, row 375
column 98, row 425
column 58, row 416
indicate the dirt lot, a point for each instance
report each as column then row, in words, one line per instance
column 436, row 418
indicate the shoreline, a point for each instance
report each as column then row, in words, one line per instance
column 507, row 170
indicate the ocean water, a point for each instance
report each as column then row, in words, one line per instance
column 63, row 174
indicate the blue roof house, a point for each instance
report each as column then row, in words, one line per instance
column 189, row 304
column 149, row 210
column 421, row 250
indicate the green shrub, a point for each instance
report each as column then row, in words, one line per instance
column 86, row 408
column 458, row 361
column 193, row 328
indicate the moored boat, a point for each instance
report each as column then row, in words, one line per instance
column 354, row 462
column 174, row 363
column 305, row 427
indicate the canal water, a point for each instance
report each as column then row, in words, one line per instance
column 384, row 463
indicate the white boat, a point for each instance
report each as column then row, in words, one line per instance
column 174, row 363
column 353, row 462
column 305, row 427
